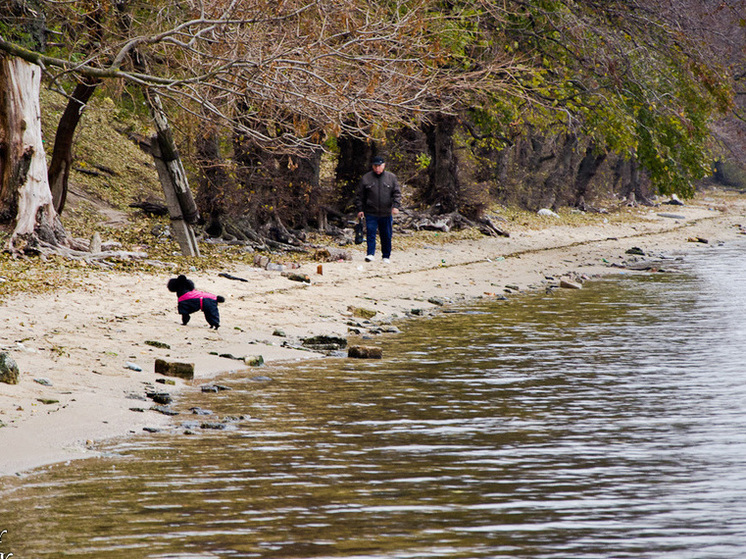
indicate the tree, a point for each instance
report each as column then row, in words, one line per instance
column 62, row 154
column 23, row 173
column 288, row 76
column 626, row 75
column 443, row 187
column 334, row 66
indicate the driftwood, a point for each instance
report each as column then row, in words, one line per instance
column 100, row 258
column 97, row 171
column 228, row 276
column 105, row 169
column 328, row 254
column 91, row 172
column 297, row 277
column 451, row 222
column 487, row 226
column 151, row 208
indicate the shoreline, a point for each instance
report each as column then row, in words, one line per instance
column 72, row 347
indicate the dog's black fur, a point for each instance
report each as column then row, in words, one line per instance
column 191, row 301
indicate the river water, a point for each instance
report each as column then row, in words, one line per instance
column 608, row 422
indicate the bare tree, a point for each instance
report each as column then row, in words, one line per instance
column 338, row 67
column 288, row 75
column 23, row 167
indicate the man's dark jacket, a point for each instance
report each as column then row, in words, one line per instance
column 378, row 194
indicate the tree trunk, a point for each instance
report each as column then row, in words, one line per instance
column 627, row 174
column 276, row 185
column 304, row 178
column 171, row 160
column 62, row 154
column 26, row 203
column 553, row 190
column 181, row 205
column 214, row 181
column 443, row 187
column 353, row 162
column 587, row 169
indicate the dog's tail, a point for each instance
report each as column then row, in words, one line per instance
column 221, row 299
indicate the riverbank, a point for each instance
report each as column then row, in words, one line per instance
column 78, row 350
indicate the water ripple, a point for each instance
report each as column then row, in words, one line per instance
column 605, row 422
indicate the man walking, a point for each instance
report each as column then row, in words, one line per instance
column 379, row 199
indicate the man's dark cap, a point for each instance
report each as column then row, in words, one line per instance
column 378, row 160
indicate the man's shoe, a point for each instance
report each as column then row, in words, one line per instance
column 369, row 258
column 386, row 260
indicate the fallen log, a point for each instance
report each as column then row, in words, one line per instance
column 151, row 208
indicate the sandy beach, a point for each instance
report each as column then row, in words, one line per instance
column 78, row 350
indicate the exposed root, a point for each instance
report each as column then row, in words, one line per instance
column 450, row 222
column 101, row 258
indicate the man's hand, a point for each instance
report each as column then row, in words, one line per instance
column 360, row 215
column 394, row 211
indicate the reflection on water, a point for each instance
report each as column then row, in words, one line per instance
column 605, row 422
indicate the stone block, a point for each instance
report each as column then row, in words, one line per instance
column 174, row 369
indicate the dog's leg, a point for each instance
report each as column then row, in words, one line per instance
column 212, row 315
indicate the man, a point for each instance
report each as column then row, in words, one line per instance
column 379, row 199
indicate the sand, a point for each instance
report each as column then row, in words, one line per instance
column 73, row 348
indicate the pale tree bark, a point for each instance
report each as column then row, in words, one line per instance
column 26, row 204
column 181, row 205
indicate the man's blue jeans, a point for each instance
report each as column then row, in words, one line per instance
column 385, row 227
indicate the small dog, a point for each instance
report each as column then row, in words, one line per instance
column 191, row 301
